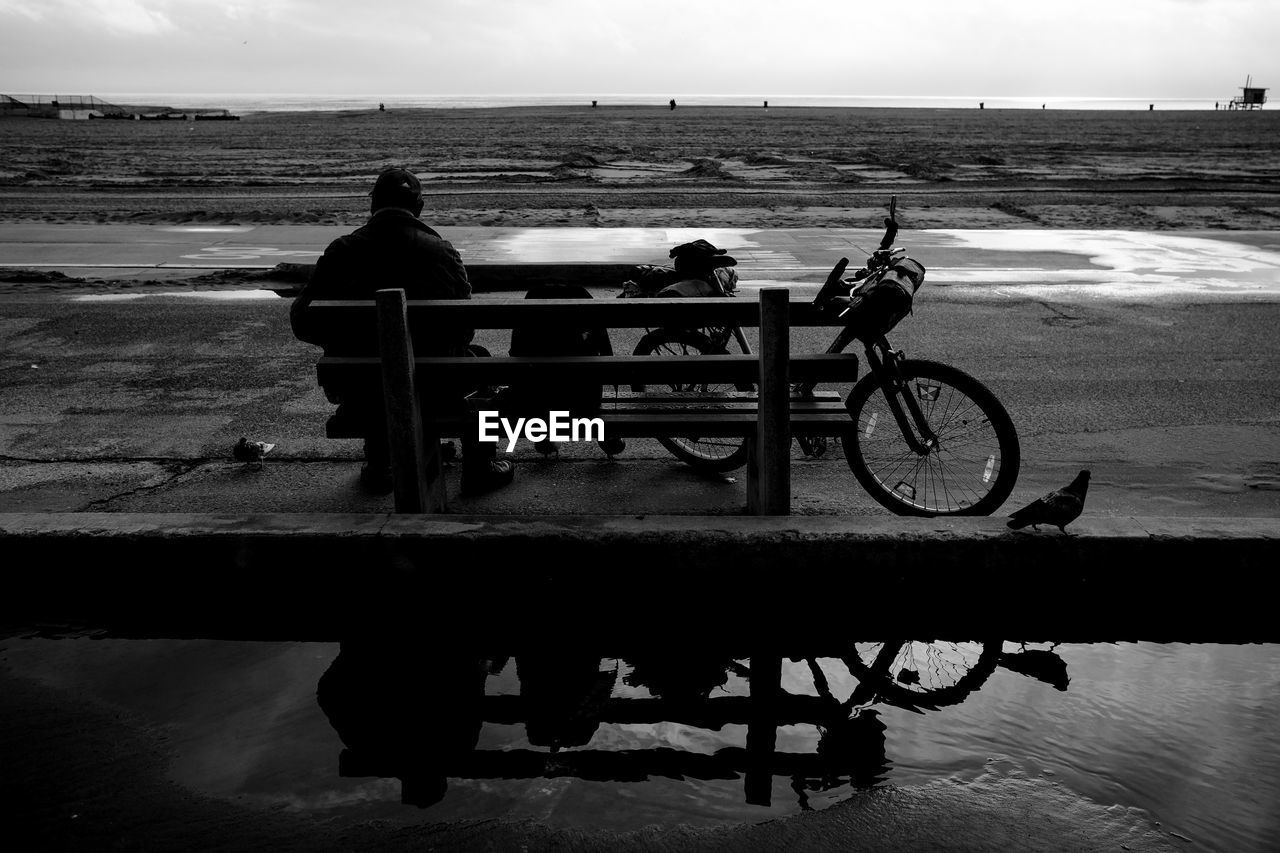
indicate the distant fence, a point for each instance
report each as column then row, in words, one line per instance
column 52, row 106
column 88, row 106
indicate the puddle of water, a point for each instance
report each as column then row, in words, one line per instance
column 1126, row 251
column 1187, row 735
column 1126, row 265
column 211, row 295
column 210, row 229
column 624, row 245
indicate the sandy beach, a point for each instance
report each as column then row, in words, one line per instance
column 615, row 166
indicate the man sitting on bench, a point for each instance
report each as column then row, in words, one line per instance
column 396, row 249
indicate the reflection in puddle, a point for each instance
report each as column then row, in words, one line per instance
column 409, row 733
column 618, row 245
column 1126, row 264
column 211, row 295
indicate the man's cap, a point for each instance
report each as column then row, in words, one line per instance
column 396, row 187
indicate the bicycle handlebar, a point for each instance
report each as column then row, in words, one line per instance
column 890, row 232
column 890, row 224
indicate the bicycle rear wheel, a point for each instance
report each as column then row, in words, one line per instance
column 717, row 454
column 972, row 468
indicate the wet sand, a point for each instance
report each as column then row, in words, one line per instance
column 650, row 166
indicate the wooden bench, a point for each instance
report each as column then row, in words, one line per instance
column 767, row 419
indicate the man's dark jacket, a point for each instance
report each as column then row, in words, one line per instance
column 394, row 249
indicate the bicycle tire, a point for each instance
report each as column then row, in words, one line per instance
column 706, row 454
column 951, row 671
column 974, row 467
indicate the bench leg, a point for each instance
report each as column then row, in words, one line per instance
column 433, row 494
column 405, row 438
column 769, row 490
column 762, row 728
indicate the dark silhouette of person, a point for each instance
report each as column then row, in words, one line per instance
column 851, row 751
column 564, row 693
column 673, row 103
column 382, row 108
column 404, row 710
column 678, row 677
column 396, row 249
column 540, row 398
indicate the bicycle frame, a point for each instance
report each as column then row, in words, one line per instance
column 885, row 369
column 892, row 385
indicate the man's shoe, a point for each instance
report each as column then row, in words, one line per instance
column 495, row 475
column 376, row 479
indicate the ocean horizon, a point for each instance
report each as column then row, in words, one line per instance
column 244, row 104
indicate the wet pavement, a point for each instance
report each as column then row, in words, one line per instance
column 1041, row 263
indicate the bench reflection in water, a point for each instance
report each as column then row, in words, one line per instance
column 409, row 711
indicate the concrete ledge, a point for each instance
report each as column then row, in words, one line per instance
column 628, row 581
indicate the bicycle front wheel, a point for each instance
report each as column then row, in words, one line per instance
column 706, row 453
column 928, row 673
column 970, row 470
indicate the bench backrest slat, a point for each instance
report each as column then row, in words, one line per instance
column 608, row 370
column 567, row 313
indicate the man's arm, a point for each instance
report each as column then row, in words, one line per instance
column 451, row 276
column 453, row 273
column 322, row 285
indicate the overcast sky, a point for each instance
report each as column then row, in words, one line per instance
column 1029, row 48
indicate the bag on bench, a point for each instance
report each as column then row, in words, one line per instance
column 700, row 270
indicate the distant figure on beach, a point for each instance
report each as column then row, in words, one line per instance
column 382, row 108
column 1150, row 107
column 673, row 103
column 593, row 103
column 982, row 105
column 396, row 249
column 766, row 105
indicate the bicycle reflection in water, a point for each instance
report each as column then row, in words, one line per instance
column 414, row 713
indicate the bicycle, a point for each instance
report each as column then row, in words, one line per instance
column 925, row 438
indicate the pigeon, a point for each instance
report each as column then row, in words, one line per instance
column 251, row 451
column 1059, row 508
column 1040, row 664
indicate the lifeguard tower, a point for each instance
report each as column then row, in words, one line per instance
column 1250, row 98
